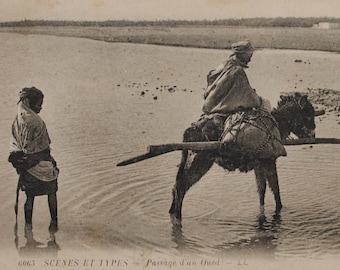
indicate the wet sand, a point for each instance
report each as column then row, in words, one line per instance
column 105, row 102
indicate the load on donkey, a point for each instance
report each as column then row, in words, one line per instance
column 238, row 130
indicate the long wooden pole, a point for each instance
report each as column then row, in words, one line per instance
column 311, row 141
column 156, row 150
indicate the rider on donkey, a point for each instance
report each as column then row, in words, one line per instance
column 231, row 107
column 241, row 121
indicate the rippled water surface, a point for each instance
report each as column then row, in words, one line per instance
column 97, row 116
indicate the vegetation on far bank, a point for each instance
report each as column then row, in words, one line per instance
column 199, row 35
column 250, row 22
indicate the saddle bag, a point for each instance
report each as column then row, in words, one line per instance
column 253, row 133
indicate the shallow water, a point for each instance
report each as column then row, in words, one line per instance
column 97, row 117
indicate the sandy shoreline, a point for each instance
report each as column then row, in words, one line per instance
column 197, row 36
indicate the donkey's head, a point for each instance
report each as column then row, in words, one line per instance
column 295, row 114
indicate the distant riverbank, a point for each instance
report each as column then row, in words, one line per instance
column 214, row 37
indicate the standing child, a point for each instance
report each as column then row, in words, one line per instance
column 30, row 155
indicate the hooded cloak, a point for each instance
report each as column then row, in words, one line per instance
column 229, row 90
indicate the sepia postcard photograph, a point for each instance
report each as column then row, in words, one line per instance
column 157, row 134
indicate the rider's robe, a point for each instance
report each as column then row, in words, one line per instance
column 229, row 90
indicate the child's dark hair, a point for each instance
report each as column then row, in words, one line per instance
column 32, row 93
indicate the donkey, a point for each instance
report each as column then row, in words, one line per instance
column 294, row 114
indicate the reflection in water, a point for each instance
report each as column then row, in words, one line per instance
column 182, row 243
column 261, row 241
column 264, row 225
column 33, row 247
column 177, row 233
column 265, row 240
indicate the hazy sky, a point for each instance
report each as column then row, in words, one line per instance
column 13, row 10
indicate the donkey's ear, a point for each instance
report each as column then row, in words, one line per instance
column 303, row 101
column 297, row 94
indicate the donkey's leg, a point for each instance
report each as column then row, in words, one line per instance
column 180, row 172
column 273, row 182
column 266, row 170
column 261, row 178
column 193, row 165
column 190, row 172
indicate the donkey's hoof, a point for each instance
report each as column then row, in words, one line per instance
column 175, row 214
column 175, row 220
column 172, row 211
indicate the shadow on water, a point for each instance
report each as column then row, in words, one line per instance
column 183, row 244
column 177, row 234
column 34, row 248
column 264, row 242
column 267, row 234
